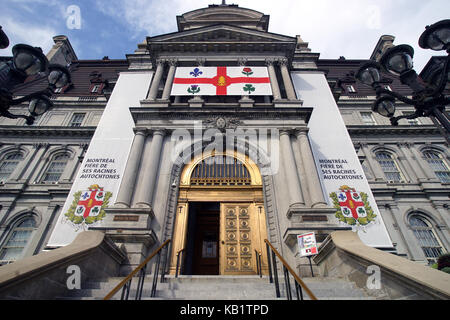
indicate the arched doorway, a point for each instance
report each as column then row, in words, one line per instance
column 220, row 222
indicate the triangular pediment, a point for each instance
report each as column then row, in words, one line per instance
column 221, row 33
column 220, row 38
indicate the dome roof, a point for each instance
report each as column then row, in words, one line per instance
column 223, row 14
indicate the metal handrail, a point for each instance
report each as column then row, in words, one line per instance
column 299, row 284
column 179, row 253
column 126, row 283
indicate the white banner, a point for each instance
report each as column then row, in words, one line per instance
column 307, row 245
column 342, row 177
column 221, row 81
column 100, row 174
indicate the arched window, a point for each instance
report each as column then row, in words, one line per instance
column 8, row 164
column 389, row 166
column 220, row 171
column 428, row 240
column 56, row 168
column 17, row 240
column 438, row 165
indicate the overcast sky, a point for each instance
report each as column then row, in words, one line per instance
column 349, row 28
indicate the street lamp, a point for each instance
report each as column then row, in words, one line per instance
column 27, row 61
column 428, row 97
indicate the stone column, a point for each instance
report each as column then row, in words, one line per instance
column 149, row 170
column 293, row 185
column 169, row 81
column 129, row 177
column 290, row 92
column 273, row 79
column 314, row 186
column 156, row 80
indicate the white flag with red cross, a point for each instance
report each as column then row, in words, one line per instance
column 221, row 81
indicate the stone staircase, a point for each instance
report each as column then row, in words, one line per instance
column 221, row 288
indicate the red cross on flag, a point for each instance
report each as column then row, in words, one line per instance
column 221, row 81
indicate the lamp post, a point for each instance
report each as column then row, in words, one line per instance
column 428, row 96
column 27, row 61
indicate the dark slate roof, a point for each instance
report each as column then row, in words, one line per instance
column 82, row 76
column 343, row 71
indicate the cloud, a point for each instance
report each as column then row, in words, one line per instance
column 34, row 35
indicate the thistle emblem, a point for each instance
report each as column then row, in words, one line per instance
column 196, row 72
column 249, row 88
column 247, row 71
column 194, row 89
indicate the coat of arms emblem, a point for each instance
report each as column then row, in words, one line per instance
column 88, row 206
column 353, row 207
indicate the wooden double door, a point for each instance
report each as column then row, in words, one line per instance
column 225, row 238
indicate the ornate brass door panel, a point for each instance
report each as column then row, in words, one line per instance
column 241, row 235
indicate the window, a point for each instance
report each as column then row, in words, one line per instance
column 77, row 120
column 95, row 88
column 56, row 168
column 367, row 118
column 427, row 238
column 389, row 167
column 411, row 122
column 8, row 165
column 17, row 240
column 438, row 165
column 350, row 89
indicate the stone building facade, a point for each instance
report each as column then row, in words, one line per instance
column 161, row 196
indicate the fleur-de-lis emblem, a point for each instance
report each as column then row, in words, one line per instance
column 194, row 89
column 196, row 72
column 249, row 88
column 247, row 71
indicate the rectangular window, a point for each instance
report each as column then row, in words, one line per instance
column 412, row 122
column 77, row 119
column 351, row 89
column 367, row 118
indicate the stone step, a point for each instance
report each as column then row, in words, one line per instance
column 223, row 288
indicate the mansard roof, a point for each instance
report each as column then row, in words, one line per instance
column 223, row 14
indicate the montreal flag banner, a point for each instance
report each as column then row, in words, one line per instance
column 221, row 81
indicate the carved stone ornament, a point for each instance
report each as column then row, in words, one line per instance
column 221, row 123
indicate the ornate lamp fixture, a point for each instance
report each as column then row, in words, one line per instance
column 27, row 61
column 428, row 97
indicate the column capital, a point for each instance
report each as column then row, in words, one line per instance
column 200, row 61
column 270, row 62
column 301, row 132
column 283, row 62
column 159, row 132
column 140, row 131
column 287, row 131
column 173, row 62
column 160, row 62
column 242, row 62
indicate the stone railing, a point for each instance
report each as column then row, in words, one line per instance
column 45, row 276
column 344, row 255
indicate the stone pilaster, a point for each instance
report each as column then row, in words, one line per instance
column 293, row 185
column 156, row 80
column 169, row 81
column 314, row 186
column 127, row 185
column 149, row 170
column 290, row 92
column 273, row 79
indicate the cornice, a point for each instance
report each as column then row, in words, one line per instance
column 394, row 130
column 87, row 132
